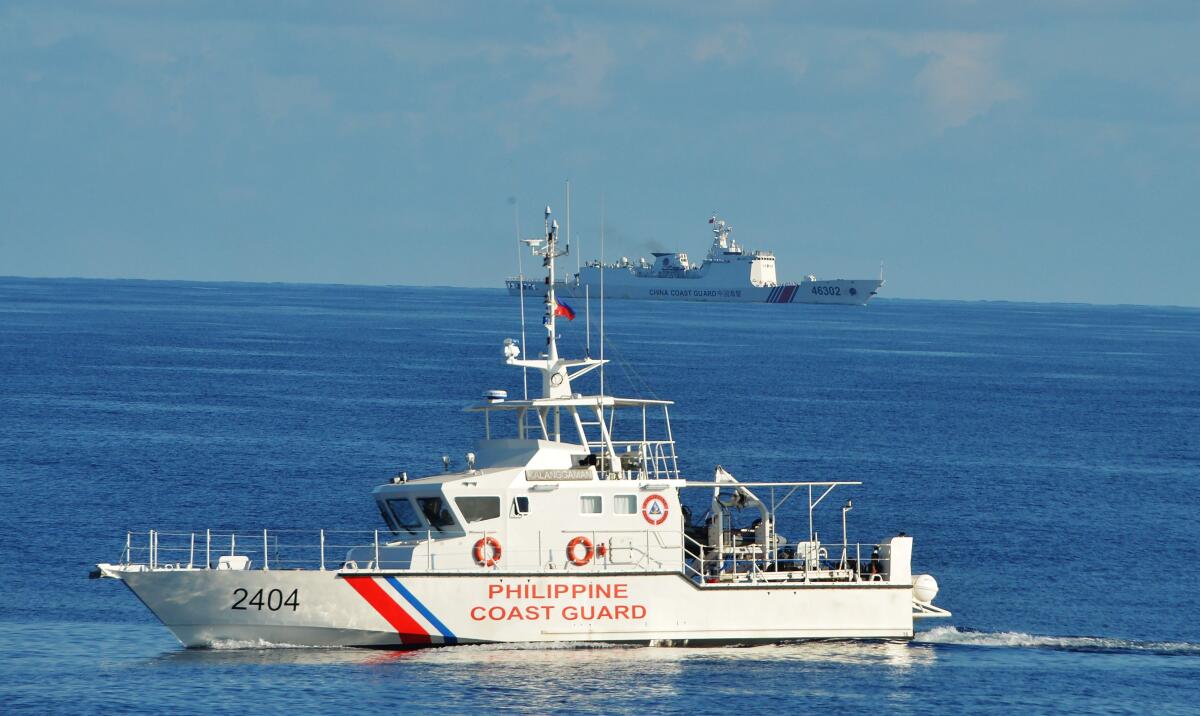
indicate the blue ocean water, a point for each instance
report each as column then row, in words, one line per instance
column 1045, row 457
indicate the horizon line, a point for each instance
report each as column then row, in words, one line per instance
column 500, row 288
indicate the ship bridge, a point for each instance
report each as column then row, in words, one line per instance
column 622, row 438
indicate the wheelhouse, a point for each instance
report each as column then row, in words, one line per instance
column 645, row 449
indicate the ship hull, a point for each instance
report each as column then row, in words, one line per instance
column 854, row 292
column 205, row 608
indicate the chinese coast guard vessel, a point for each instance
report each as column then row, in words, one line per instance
column 568, row 524
column 728, row 273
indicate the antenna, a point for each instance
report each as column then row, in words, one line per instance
column 578, row 250
column 569, row 225
column 587, row 312
column 521, row 293
column 603, row 270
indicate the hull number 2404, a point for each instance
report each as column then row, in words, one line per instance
column 272, row 599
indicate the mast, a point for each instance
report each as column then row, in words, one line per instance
column 556, row 381
column 549, row 254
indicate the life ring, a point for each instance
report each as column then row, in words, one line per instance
column 587, row 551
column 482, row 558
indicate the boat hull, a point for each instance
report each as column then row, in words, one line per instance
column 205, row 608
column 855, row 292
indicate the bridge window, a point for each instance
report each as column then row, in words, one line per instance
column 625, row 504
column 478, row 509
column 591, row 504
column 387, row 517
column 520, row 506
column 435, row 512
column 405, row 514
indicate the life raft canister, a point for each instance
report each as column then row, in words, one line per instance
column 587, row 551
column 487, row 552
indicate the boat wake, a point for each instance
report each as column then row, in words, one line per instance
column 540, row 646
column 1093, row 644
column 243, row 644
column 256, row 644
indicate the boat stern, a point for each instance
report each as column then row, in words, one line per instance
column 897, row 556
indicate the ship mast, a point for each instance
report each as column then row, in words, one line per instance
column 556, row 381
column 549, row 253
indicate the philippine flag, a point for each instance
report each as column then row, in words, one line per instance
column 563, row 309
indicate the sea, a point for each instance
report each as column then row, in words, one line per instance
column 1045, row 457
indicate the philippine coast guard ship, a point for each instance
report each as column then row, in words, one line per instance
column 728, row 273
column 567, row 524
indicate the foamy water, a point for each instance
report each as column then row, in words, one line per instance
column 954, row 635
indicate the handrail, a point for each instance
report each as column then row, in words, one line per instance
column 739, row 562
column 367, row 549
column 693, row 483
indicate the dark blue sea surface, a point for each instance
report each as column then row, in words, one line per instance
column 1045, row 457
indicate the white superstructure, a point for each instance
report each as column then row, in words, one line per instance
column 728, row 273
column 566, row 523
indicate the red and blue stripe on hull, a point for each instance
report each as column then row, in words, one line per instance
column 782, row 294
column 390, row 598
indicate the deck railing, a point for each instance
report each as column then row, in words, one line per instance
column 601, row 551
column 799, row 561
column 642, row 459
column 379, row 550
column 257, row 549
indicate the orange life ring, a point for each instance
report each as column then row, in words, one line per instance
column 481, row 548
column 587, row 551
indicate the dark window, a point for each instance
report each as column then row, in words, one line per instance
column 387, row 517
column 477, row 509
column 435, row 512
column 406, row 517
column 520, row 506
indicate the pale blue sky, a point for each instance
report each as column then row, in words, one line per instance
column 1042, row 151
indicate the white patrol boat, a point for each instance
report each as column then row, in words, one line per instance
column 567, row 525
column 728, row 273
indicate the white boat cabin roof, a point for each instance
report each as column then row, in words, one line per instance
column 578, row 401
